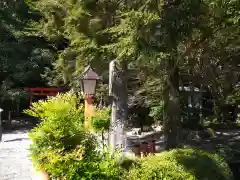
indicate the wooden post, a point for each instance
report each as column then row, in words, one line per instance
column 89, row 111
column 30, row 98
column 10, row 118
column 0, row 125
column 18, row 107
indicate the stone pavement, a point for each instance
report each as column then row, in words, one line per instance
column 14, row 160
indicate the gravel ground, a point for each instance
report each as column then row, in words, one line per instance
column 14, row 161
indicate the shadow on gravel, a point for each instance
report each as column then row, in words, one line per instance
column 19, row 125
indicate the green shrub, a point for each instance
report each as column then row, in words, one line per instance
column 60, row 145
column 182, row 164
column 157, row 112
column 127, row 163
column 101, row 119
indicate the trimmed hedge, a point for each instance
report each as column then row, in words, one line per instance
column 182, row 164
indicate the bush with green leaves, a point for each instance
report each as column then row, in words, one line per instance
column 60, row 145
column 182, row 164
column 157, row 112
column 101, row 119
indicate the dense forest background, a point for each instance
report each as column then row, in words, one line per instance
column 180, row 59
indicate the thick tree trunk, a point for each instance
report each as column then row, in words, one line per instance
column 172, row 107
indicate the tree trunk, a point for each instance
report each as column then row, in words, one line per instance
column 172, row 107
column 103, row 143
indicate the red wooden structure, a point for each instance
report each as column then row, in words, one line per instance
column 43, row 92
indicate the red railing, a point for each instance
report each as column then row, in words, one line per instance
column 43, row 92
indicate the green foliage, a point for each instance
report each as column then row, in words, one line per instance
column 147, row 34
column 23, row 55
column 182, row 164
column 234, row 97
column 48, row 109
column 157, row 112
column 127, row 163
column 105, row 167
column 62, row 147
column 101, row 119
column 81, row 23
column 170, row 43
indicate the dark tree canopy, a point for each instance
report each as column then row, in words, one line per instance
column 160, row 46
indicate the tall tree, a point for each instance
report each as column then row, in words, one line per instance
column 23, row 56
column 170, row 42
column 152, row 33
column 177, row 43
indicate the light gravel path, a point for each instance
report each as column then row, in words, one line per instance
column 14, row 160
